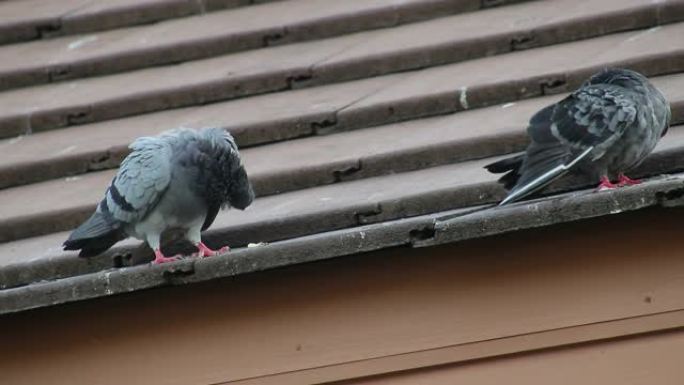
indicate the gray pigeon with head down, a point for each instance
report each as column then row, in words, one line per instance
column 178, row 180
column 603, row 129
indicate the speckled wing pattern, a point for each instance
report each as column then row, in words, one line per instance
column 142, row 178
column 594, row 116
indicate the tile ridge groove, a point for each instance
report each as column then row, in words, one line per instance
column 59, row 25
column 300, row 31
column 62, row 116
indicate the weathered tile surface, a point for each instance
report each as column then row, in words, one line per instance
column 375, row 115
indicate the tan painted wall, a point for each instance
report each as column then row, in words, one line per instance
column 376, row 313
column 650, row 359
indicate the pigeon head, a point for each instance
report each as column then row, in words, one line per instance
column 240, row 193
column 222, row 174
column 619, row 77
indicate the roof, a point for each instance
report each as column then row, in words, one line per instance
column 363, row 125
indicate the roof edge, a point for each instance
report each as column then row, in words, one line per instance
column 422, row 231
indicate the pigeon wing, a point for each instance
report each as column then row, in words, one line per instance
column 585, row 124
column 594, row 116
column 142, row 179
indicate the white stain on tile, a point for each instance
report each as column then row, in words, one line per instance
column 108, row 283
column 642, row 34
column 507, row 105
column 66, row 150
column 464, row 97
column 81, row 42
column 258, row 244
column 14, row 140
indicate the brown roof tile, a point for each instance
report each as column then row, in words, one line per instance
column 29, row 19
column 340, row 205
column 207, row 35
column 319, row 62
column 390, row 181
column 342, row 106
column 321, row 160
column 35, row 19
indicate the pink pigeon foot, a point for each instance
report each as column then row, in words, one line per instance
column 605, row 184
column 626, row 181
column 160, row 258
column 205, row 251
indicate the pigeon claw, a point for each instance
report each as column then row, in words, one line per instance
column 160, row 258
column 205, row 251
column 624, row 180
column 605, row 184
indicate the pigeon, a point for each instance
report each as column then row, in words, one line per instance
column 177, row 181
column 603, row 129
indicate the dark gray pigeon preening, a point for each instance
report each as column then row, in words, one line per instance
column 178, row 180
column 603, row 129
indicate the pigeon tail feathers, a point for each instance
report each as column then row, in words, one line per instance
column 93, row 236
column 509, row 166
column 544, row 167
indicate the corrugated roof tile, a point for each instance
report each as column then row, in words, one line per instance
column 393, row 177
